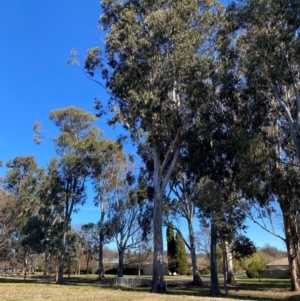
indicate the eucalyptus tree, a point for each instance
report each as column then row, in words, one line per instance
column 125, row 211
column 271, row 186
column 51, row 212
column 266, row 39
column 22, row 183
column 185, row 189
column 211, row 149
column 89, row 242
column 213, row 168
column 156, row 69
column 104, row 172
column 7, row 221
column 74, row 146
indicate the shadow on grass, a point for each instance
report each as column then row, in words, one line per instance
column 29, row 280
column 242, row 291
column 261, row 286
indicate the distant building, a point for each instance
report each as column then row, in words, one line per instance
column 280, row 264
column 277, row 269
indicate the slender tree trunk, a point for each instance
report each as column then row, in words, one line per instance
column 293, row 271
column 101, row 265
column 214, row 281
column 229, row 261
column 56, row 271
column 121, row 262
column 25, row 265
column 87, row 264
column 46, row 261
column 158, row 283
column 298, row 260
column 225, row 267
column 196, row 275
column 292, row 256
column 63, row 253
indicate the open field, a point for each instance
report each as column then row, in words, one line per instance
column 38, row 288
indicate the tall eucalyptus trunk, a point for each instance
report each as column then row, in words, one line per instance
column 25, row 264
column 121, row 262
column 101, row 242
column 214, row 281
column 101, row 274
column 46, row 261
column 153, row 85
column 229, row 263
column 161, row 176
column 289, row 239
column 88, row 257
column 60, row 274
column 158, row 283
column 225, row 268
column 196, row 275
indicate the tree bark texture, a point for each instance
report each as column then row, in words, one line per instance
column 101, row 265
column 87, row 264
column 60, row 275
column 158, row 284
column 196, row 275
column 229, row 261
column 46, row 261
column 214, row 281
column 291, row 252
column 101, row 241
column 25, row 265
column 121, row 262
column 224, row 269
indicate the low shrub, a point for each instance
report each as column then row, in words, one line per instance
column 254, row 269
column 131, row 270
column 205, row 271
column 113, row 270
column 189, row 272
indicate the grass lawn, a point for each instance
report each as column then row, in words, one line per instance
column 78, row 288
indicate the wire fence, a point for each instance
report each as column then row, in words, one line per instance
column 137, row 281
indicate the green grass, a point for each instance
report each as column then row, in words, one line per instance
column 79, row 288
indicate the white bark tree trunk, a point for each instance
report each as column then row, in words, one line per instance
column 196, row 275
column 229, row 261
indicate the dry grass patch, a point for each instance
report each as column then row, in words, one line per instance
column 39, row 292
column 81, row 288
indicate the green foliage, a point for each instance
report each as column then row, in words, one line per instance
column 128, row 270
column 189, row 272
column 85, row 271
column 171, row 248
column 112, row 270
column 181, row 258
column 77, row 146
column 205, row 271
column 254, row 269
column 156, row 66
column 131, row 270
column 243, row 247
column 21, row 186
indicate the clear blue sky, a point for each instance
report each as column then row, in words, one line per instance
column 36, row 40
